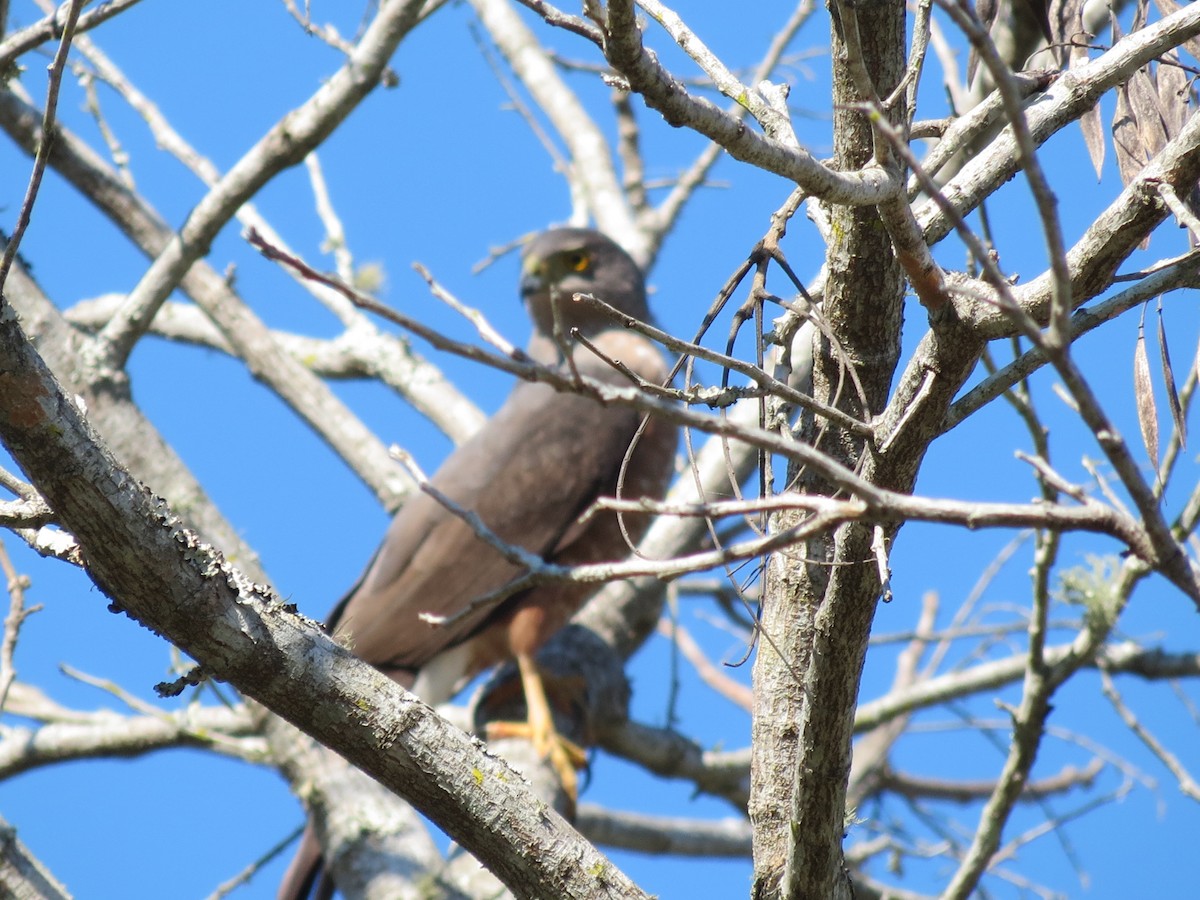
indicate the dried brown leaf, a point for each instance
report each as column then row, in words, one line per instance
column 1173, row 94
column 1177, row 104
column 1169, row 379
column 1126, row 141
column 1139, row 131
column 1143, row 393
column 1148, row 113
column 1090, row 123
column 1166, row 7
column 1093, row 138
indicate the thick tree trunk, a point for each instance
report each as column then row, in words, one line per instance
column 819, row 599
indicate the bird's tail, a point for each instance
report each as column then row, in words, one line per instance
column 305, row 877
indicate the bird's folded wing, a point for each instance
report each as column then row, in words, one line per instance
column 536, row 465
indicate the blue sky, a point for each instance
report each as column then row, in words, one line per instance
column 438, row 170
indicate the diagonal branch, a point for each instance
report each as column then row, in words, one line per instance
column 663, row 92
column 156, row 570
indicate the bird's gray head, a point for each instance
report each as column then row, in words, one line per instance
column 562, row 262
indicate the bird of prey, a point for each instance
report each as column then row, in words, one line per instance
column 530, row 474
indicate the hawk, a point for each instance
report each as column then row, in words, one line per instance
column 530, row 474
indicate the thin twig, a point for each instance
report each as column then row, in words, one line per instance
column 15, row 584
column 54, row 83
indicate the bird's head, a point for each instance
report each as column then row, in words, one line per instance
column 560, row 263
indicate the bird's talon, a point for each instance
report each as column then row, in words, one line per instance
column 575, row 755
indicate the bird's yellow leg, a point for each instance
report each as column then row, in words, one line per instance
column 564, row 755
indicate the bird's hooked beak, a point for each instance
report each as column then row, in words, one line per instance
column 533, row 280
column 536, row 294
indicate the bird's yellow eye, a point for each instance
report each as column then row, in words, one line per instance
column 579, row 261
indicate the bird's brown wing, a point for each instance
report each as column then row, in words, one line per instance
column 529, row 473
